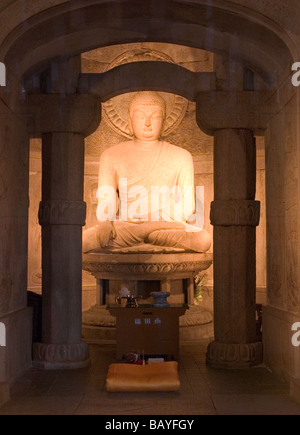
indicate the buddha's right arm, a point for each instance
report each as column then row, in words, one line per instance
column 106, row 210
column 106, row 214
column 105, row 232
column 107, row 189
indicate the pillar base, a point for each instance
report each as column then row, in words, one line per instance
column 61, row 356
column 234, row 356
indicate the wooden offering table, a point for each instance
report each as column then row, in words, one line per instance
column 147, row 329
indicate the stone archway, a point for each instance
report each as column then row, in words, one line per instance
column 235, row 209
column 239, row 349
column 69, row 29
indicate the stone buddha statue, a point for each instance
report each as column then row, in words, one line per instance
column 146, row 196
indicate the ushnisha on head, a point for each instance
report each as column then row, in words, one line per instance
column 147, row 114
column 147, row 98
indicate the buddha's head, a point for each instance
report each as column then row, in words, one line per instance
column 147, row 113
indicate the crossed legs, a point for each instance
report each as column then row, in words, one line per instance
column 166, row 234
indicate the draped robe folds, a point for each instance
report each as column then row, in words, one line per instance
column 152, row 182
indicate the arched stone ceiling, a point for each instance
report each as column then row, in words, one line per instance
column 227, row 27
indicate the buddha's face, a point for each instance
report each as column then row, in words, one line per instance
column 147, row 122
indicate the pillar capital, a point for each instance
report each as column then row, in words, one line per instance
column 218, row 110
column 56, row 113
column 62, row 212
column 235, row 212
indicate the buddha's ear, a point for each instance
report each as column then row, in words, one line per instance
column 163, row 126
column 130, row 124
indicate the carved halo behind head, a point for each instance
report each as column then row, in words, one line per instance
column 115, row 110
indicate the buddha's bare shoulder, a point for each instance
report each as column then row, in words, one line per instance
column 115, row 150
column 178, row 151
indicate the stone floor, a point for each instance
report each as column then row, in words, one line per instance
column 204, row 391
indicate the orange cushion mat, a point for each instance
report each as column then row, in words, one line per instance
column 135, row 378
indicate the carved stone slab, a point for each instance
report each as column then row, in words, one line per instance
column 146, row 266
column 234, row 110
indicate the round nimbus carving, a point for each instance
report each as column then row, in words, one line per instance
column 115, row 111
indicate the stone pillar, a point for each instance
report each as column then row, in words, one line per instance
column 235, row 215
column 15, row 316
column 62, row 215
column 232, row 119
column 62, row 122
